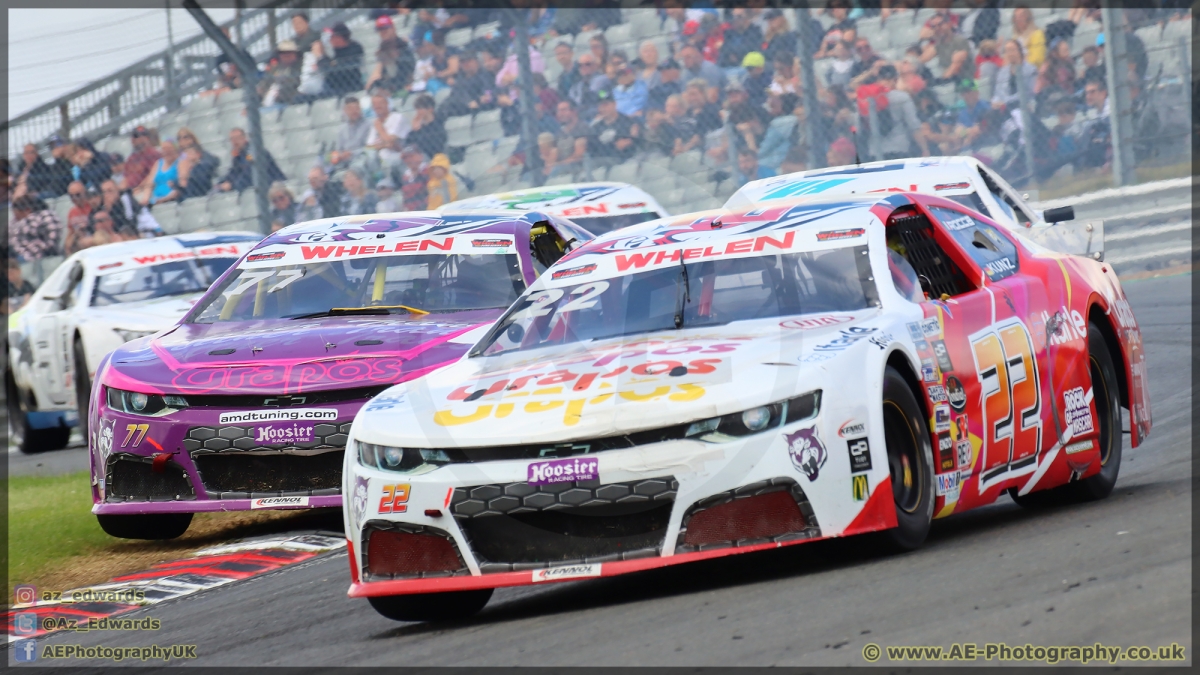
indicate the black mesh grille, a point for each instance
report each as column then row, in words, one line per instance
column 810, row 531
column 131, row 478
column 518, row 526
column 238, row 475
column 206, row 440
column 926, row 257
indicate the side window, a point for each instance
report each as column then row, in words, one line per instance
column 994, row 253
column 74, row 287
column 1006, row 201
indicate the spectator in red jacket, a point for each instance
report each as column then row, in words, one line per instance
column 142, row 159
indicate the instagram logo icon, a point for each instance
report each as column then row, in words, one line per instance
column 25, row 595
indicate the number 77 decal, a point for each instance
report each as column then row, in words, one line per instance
column 1010, row 389
column 138, row 430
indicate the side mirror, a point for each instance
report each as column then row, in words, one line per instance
column 1060, row 214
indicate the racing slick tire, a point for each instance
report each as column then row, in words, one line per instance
column 1108, row 422
column 910, row 464
column 83, row 387
column 153, row 526
column 449, row 606
column 29, row 440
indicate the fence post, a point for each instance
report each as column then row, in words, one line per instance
column 533, row 160
column 169, row 64
column 1120, row 118
column 64, row 115
column 1026, row 123
column 816, row 133
column 874, row 140
column 250, row 78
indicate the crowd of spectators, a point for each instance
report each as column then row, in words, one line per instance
column 728, row 84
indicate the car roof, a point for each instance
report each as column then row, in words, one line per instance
column 402, row 224
column 163, row 246
column 595, row 199
column 931, row 175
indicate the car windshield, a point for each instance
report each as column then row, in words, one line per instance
column 177, row 277
column 379, row 285
column 704, row 293
column 598, row 226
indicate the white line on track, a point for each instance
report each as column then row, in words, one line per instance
column 1175, row 250
column 1143, row 232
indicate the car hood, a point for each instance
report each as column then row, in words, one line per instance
column 611, row 387
column 154, row 314
column 291, row 356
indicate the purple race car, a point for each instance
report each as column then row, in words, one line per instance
column 245, row 404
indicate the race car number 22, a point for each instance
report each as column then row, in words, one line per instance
column 1012, row 401
column 395, row 498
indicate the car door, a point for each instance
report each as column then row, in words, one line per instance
column 53, row 335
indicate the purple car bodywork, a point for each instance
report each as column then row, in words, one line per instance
column 257, row 430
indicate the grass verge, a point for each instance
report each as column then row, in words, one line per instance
column 55, row 543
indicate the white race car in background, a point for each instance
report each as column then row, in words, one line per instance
column 961, row 179
column 596, row 207
column 96, row 301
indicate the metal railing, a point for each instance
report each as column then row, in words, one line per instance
column 157, row 84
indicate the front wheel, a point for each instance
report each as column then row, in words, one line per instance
column 910, row 464
column 27, row 439
column 153, row 526
column 450, row 606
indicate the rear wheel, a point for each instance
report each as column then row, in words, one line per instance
column 1108, row 423
column 83, row 388
column 450, row 606
column 910, row 464
column 29, row 440
column 155, row 526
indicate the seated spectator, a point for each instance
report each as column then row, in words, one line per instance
column 786, row 80
column 740, row 37
column 973, row 114
column 981, row 23
column 162, row 184
column 385, row 191
column 427, row 131
column 937, row 124
column 784, row 130
column 394, row 59
column 865, row 59
column 778, row 40
column 570, row 76
column 280, row 84
column 707, row 115
column 1092, row 67
column 844, row 28
column 748, row 127
column 582, row 91
column 388, row 130
column 77, row 217
column 647, row 64
column 613, row 135
column 841, row 64
column 1005, row 91
column 545, row 105
column 241, row 175
column 667, row 85
column 304, row 36
column 988, row 61
column 1032, row 39
column 352, row 135
column 103, row 232
column 283, row 206
column 357, row 199
column 694, row 66
column 19, row 288
column 630, row 93
column 1056, row 76
column 585, row 16
column 598, row 47
column 121, row 207
column 757, row 80
column 202, row 166
column 342, row 70
column 749, row 168
column 469, row 88
column 841, row 152
column 413, row 179
column 684, row 130
column 322, row 199
column 905, row 133
column 444, row 61
column 951, row 51
column 143, row 158
column 34, row 231
column 34, row 175
column 572, row 138
column 88, row 165
column 442, row 185
column 912, row 75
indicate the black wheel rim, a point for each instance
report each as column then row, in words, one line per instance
column 1104, row 412
column 904, row 465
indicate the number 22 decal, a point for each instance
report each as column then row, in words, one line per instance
column 395, row 498
column 1012, row 401
column 136, row 432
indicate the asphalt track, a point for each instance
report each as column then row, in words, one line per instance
column 1116, row 572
